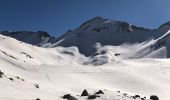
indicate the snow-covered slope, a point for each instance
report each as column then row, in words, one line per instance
column 101, row 54
column 31, row 72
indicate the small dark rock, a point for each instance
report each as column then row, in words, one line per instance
column 37, row 99
column 36, row 85
column 118, row 91
column 142, row 99
column 85, row 93
column 72, row 98
column 66, row 96
column 99, row 92
column 11, row 79
column 117, row 54
column 69, row 97
column 12, row 56
column 137, row 96
column 125, row 94
column 154, row 97
column 92, row 97
column 1, row 74
column 133, row 97
column 17, row 77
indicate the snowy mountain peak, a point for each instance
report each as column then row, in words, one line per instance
column 99, row 22
column 105, row 32
column 93, row 21
column 96, row 30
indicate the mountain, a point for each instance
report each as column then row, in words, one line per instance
column 35, row 38
column 106, row 32
column 123, row 61
column 94, row 31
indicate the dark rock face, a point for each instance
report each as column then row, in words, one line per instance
column 92, row 97
column 11, row 79
column 36, row 85
column 1, row 74
column 154, row 97
column 99, row 92
column 137, row 96
column 37, row 99
column 142, row 98
column 66, row 96
column 69, row 97
column 85, row 93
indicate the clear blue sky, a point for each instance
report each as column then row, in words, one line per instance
column 58, row 16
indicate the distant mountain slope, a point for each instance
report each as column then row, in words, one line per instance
column 35, row 38
column 106, row 32
column 87, row 35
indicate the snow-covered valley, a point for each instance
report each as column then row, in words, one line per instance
column 72, row 63
column 57, row 72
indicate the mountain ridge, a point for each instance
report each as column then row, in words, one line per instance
column 106, row 32
column 95, row 30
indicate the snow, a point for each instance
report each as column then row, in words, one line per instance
column 101, row 54
column 62, row 70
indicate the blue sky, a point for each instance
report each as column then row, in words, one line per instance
column 58, row 16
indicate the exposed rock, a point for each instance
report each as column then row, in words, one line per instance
column 137, row 96
column 37, row 99
column 17, row 77
column 27, row 55
column 8, row 54
column 85, row 93
column 125, row 94
column 69, row 97
column 36, row 85
column 154, row 97
column 142, row 98
column 118, row 91
column 11, row 79
column 66, row 96
column 92, row 97
column 99, row 92
column 1, row 74
column 117, row 54
column 68, row 53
